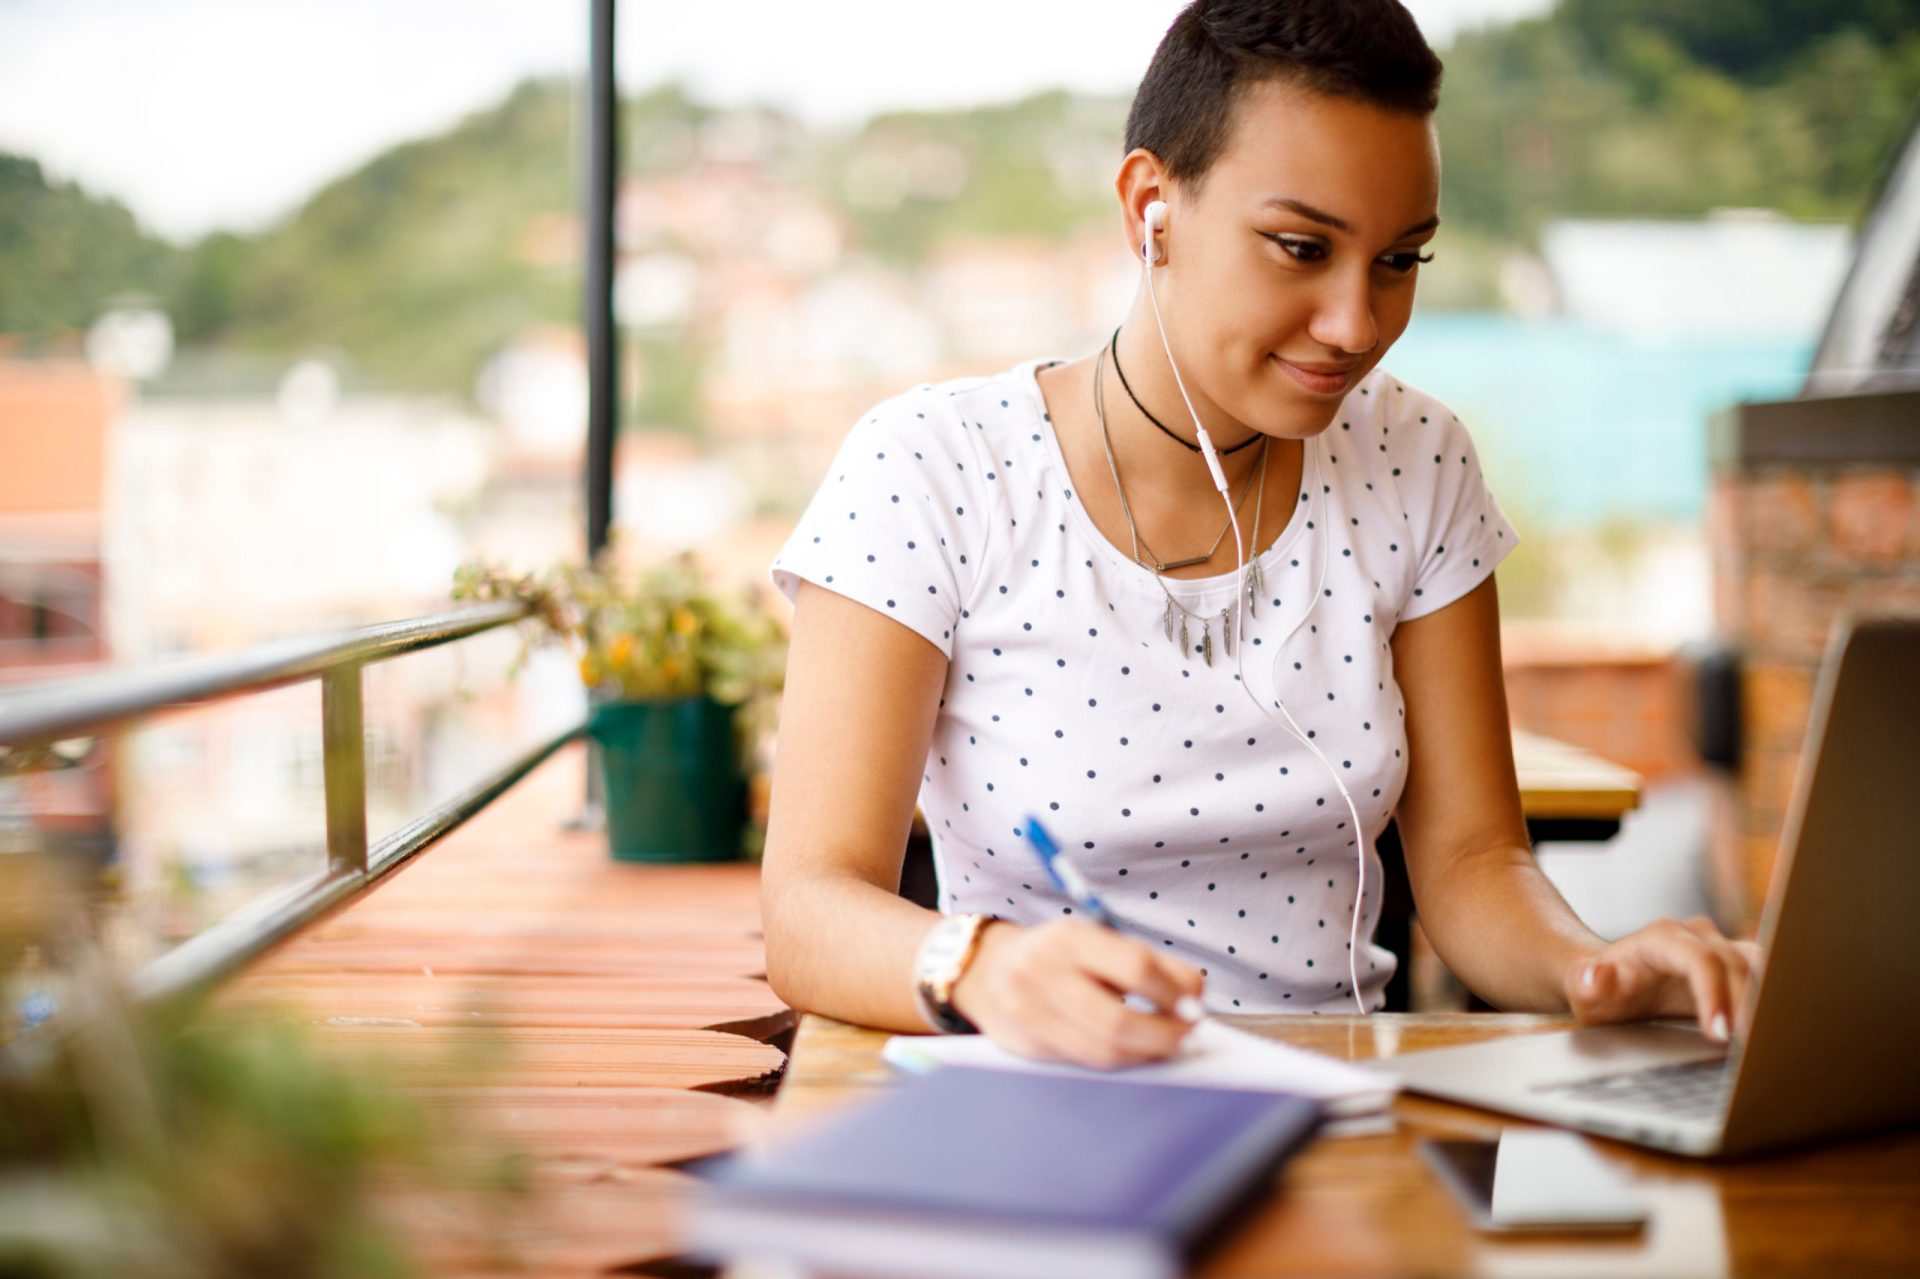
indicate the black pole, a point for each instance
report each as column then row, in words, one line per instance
column 603, row 381
column 603, row 377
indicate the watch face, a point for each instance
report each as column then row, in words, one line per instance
column 944, row 944
column 937, row 969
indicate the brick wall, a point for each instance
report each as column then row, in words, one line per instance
column 1624, row 700
column 1815, row 513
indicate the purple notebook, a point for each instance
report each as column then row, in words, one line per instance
column 973, row 1172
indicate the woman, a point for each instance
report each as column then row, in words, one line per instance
column 1026, row 594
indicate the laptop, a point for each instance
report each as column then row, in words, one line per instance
column 1833, row 1045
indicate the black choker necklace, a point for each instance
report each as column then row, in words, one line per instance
column 1114, row 346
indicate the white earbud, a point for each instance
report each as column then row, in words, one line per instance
column 1156, row 215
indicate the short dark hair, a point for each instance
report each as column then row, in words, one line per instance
column 1370, row 50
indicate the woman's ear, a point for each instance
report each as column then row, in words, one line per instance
column 1142, row 184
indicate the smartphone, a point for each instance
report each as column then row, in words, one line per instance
column 1535, row 1180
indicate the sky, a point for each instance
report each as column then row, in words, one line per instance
column 224, row 114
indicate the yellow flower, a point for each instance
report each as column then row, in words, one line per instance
column 685, row 622
column 670, row 669
column 587, row 675
column 622, row 650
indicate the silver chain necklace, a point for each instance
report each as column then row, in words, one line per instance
column 1251, row 579
column 1167, row 566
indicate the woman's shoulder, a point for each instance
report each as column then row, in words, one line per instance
column 1395, row 436
column 1404, row 416
column 1407, row 458
column 918, row 498
column 962, row 421
column 958, row 417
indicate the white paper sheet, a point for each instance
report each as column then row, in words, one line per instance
column 1214, row 1055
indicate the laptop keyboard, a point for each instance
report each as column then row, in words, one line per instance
column 1689, row 1089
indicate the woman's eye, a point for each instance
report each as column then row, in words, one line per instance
column 1308, row 250
column 1405, row 262
column 1299, row 250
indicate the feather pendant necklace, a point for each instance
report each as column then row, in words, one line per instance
column 1175, row 617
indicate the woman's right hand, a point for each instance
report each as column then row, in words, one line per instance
column 1055, row 992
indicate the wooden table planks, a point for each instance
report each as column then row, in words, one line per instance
column 559, row 1056
column 569, row 1226
column 738, row 1005
column 604, row 1128
column 1561, row 781
column 449, row 952
column 602, row 1019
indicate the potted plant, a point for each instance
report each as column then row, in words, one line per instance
column 682, row 681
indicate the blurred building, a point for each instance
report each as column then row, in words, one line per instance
column 240, row 517
column 1735, row 271
column 256, row 517
column 56, row 420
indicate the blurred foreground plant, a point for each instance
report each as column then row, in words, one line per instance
column 178, row 1142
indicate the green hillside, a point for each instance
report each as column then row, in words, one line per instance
column 1624, row 107
column 413, row 264
column 64, row 254
column 1036, row 167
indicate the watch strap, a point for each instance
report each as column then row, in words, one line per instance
column 944, row 957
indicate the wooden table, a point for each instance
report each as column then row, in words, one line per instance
column 1362, row 1206
column 1570, row 793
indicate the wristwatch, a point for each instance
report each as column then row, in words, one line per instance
column 938, row 966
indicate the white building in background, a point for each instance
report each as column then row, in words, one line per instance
column 1735, row 271
column 233, row 519
column 858, row 325
column 1003, row 300
column 236, row 519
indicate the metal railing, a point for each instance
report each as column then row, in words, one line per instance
column 41, row 716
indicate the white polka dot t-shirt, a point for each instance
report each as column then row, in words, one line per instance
column 1205, row 828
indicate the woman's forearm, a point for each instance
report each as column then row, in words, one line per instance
column 839, row 945
column 1505, row 931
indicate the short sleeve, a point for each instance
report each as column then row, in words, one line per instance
column 901, row 520
column 1458, row 527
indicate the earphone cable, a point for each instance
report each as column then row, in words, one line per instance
column 1240, row 552
column 1293, row 728
column 1200, row 430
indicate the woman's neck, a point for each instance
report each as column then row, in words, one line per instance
column 1169, row 492
column 1161, row 458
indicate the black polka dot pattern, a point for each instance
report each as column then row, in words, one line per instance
column 1211, row 832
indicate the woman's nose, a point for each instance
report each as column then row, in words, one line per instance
column 1344, row 321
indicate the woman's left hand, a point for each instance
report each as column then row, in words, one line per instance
column 1667, row 969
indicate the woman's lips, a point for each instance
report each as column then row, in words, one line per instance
column 1324, row 380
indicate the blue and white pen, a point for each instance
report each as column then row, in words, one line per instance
column 1066, row 876
column 1068, row 879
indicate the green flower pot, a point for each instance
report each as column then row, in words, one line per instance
column 673, row 786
